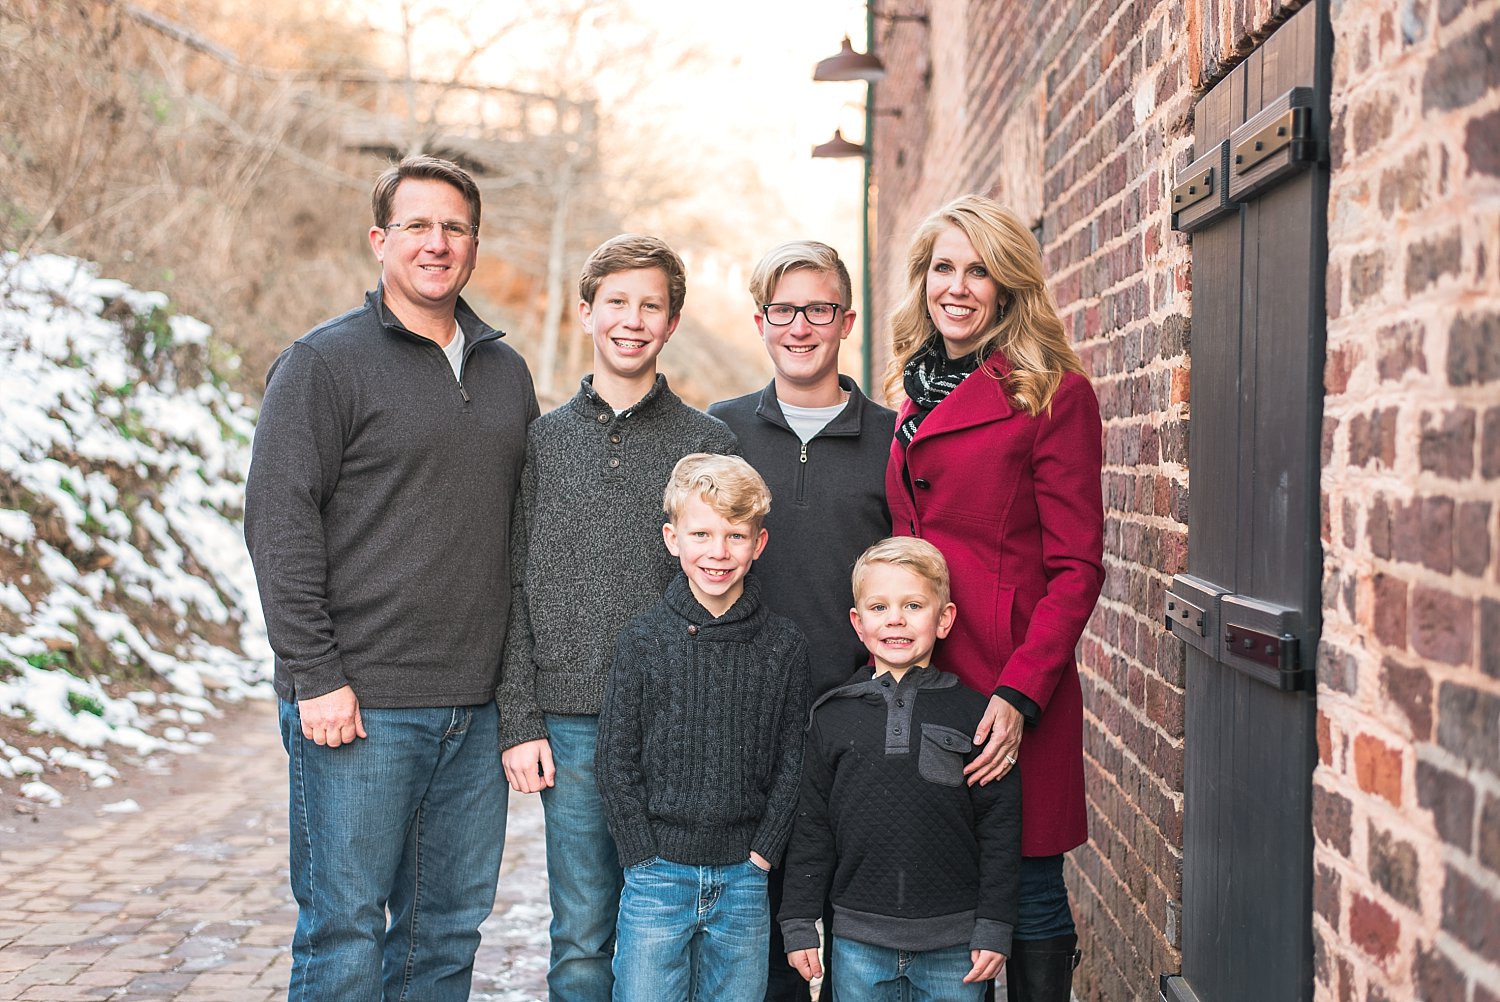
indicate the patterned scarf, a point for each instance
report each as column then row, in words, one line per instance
column 929, row 377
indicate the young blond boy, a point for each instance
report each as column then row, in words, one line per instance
column 922, row 869
column 588, row 537
column 700, row 745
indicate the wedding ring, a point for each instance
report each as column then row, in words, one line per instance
column 1011, row 759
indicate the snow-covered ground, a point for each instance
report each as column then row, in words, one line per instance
column 122, row 461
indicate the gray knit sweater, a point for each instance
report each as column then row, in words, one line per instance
column 700, row 736
column 586, row 546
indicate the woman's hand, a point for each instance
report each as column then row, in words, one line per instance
column 1001, row 725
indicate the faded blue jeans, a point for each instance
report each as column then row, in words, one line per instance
column 692, row 932
column 410, row 819
column 583, row 868
column 863, row 972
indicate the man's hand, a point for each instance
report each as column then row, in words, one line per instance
column 331, row 719
column 759, row 861
column 987, row 964
column 1002, row 724
column 528, row 766
column 807, row 963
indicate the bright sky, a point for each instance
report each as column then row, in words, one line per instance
column 756, row 94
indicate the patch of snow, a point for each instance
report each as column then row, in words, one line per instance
column 162, row 456
column 37, row 790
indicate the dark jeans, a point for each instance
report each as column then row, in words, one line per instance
column 1044, row 911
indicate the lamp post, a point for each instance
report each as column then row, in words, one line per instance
column 866, row 66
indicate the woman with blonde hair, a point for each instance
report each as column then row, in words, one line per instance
column 997, row 460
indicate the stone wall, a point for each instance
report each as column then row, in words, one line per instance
column 1078, row 114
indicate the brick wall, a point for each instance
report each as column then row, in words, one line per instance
column 1407, row 852
column 1079, row 118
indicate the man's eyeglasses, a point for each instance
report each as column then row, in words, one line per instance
column 452, row 228
column 817, row 314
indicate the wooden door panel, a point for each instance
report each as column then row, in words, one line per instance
column 1254, row 558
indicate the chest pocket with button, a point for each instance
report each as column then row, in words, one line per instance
column 940, row 759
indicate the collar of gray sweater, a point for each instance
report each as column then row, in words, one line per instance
column 741, row 623
column 589, row 403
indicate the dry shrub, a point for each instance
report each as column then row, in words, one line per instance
column 177, row 171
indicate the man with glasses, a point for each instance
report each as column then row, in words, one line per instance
column 822, row 447
column 377, row 510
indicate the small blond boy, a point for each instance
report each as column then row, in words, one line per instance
column 700, row 746
column 922, row 868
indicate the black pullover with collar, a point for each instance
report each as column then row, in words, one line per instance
column 912, row 857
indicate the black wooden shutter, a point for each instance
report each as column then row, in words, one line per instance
column 1255, row 201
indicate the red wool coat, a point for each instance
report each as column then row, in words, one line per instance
column 1015, row 504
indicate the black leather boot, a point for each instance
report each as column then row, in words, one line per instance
column 1041, row 970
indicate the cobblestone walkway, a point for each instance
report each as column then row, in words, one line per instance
column 188, row 899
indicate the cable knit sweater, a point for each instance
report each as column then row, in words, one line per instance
column 700, row 736
column 586, row 546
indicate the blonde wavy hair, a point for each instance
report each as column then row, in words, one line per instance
column 1027, row 331
column 727, row 484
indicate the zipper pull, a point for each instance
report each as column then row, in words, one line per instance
column 463, row 392
column 803, row 457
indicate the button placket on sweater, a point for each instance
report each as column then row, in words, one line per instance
column 612, row 425
column 899, row 705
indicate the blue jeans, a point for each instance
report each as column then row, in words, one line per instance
column 692, row 932
column 410, row 819
column 583, row 869
column 1042, row 907
column 866, row 973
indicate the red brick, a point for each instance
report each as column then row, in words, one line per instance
column 1378, row 527
column 1471, row 537
column 1411, row 690
column 1435, row 976
column 1474, row 349
column 1437, row 534
column 1340, row 363
column 1469, row 724
column 1403, row 188
column 1327, row 893
column 1401, row 350
column 1450, row 797
column 1325, row 739
column 1489, row 637
column 1372, row 122
column 1430, row 260
column 1467, row 70
column 1447, row 444
column 1377, row 767
column 1442, row 625
column 1482, row 144
column 1372, row 438
column 1390, row 610
column 1332, row 814
column 1489, row 462
column 1394, row 867
column 1489, row 834
column 1470, row 913
column 1366, row 277
column 1372, row 928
